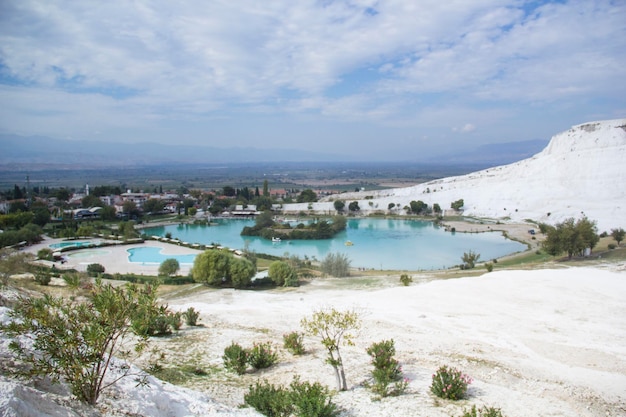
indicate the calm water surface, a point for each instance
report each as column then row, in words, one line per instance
column 377, row 243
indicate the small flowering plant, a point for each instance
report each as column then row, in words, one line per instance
column 293, row 342
column 450, row 383
column 387, row 373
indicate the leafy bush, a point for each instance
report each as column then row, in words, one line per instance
column 160, row 323
column 269, row 400
column 336, row 265
column 235, row 358
column 45, row 254
column 72, row 279
column 457, row 205
column 469, row 259
column 489, row 267
column 262, row 356
column 95, row 269
column 43, row 276
column 176, row 320
column 293, row 343
column 301, row 399
column 77, row 341
column 612, row 246
column 406, row 280
column 283, row 274
column 169, row 267
column 192, row 316
column 153, row 320
column 450, row 383
column 387, row 373
column 312, row 400
column 482, row 412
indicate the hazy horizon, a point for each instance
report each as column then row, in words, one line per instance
column 374, row 80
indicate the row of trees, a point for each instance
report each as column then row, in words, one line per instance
column 570, row 236
column 415, row 207
column 221, row 268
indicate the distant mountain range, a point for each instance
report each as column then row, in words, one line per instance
column 25, row 151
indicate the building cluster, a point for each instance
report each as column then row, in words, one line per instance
column 170, row 203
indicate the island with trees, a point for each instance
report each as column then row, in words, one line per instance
column 267, row 228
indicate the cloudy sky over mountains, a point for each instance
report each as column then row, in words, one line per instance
column 361, row 77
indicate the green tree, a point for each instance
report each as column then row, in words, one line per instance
column 390, row 206
column 571, row 236
column 153, row 205
column 307, row 196
column 107, row 213
column 354, row 206
column 91, row 201
column 211, row 267
column 339, row 205
column 334, row 328
column 188, row 203
column 130, row 209
column 220, row 204
column 240, row 272
column 127, row 230
column 229, row 191
column 41, row 214
column 17, row 193
column 263, row 220
column 338, row 223
column 263, row 203
column 417, row 207
column 618, row 235
column 76, row 341
column 17, row 207
column 62, row 194
column 457, row 205
column 336, row 265
column 85, row 231
column 169, row 267
column 266, row 189
column 469, row 259
column 283, row 274
column 437, row 208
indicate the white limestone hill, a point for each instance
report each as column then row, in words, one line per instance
column 581, row 172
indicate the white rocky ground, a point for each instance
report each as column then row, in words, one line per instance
column 548, row 342
column 537, row 343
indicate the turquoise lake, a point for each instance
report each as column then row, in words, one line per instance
column 377, row 243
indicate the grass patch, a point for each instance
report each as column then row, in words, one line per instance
column 183, row 375
column 524, row 259
column 617, row 254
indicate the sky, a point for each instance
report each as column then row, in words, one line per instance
column 371, row 79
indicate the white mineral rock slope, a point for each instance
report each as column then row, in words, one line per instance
column 581, row 172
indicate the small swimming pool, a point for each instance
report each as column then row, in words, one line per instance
column 154, row 255
column 74, row 243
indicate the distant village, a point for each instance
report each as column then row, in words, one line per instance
column 104, row 202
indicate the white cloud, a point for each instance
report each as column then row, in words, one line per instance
column 193, row 60
column 468, row 127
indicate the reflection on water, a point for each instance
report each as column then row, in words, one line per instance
column 377, row 243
